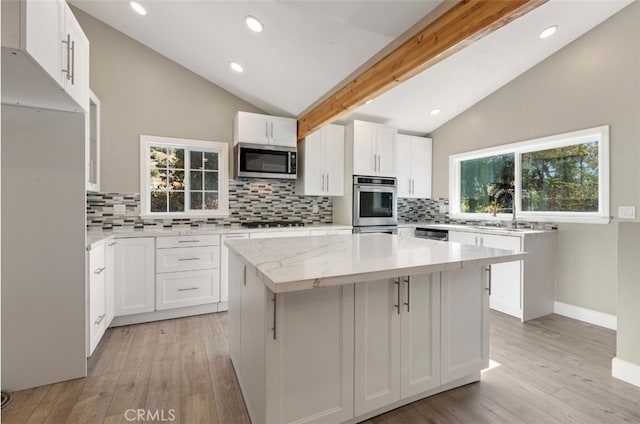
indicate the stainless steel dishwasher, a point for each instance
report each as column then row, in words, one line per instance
column 432, row 233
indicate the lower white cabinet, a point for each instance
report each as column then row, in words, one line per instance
column 464, row 337
column 110, row 280
column 224, row 267
column 397, row 340
column 524, row 289
column 97, row 295
column 186, row 275
column 134, row 276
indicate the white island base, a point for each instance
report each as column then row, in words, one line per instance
column 347, row 352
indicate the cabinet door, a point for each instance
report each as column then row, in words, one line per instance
column 135, row 277
column 236, row 278
column 386, row 138
column 44, row 22
column 420, row 167
column 420, row 324
column 283, row 131
column 111, row 281
column 404, row 170
column 464, row 314
column 377, row 345
column 310, row 371
column 76, row 82
column 312, row 176
column 506, row 278
column 93, row 144
column 333, row 160
column 365, row 154
column 224, row 264
column 251, row 128
column 97, row 295
column 180, row 289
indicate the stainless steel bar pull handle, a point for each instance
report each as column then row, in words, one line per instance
column 397, row 305
column 272, row 130
column 244, row 275
column 323, row 183
column 488, row 269
column 189, row 289
column 275, row 310
column 68, row 43
column 327, row 182
column 113, row 243
column 188, row 241
column 99, row 320
column 188, row 259
column 73, row 63
column 99, row 270
column 408, row 302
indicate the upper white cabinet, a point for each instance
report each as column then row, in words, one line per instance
column 45, row 56
column 93, row 144
column 321, row 155
column 414, row 176
column 373, row 148
column 524, row 289
column 264, row 129
column 134, row 276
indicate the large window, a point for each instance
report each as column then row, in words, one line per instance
column 563, row 178
column 180, row 178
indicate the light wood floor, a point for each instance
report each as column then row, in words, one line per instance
column 552, row 370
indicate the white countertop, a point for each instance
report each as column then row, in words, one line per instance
column 99, row 235
column 518, row 232
column 303, row 263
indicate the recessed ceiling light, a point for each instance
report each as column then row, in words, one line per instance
column 138, row 8
column 434, row 112
column 548, row 32
column 254, row 24
column 236, row 67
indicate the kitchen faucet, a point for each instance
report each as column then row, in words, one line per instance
column 500, row 193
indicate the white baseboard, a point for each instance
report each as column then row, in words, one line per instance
column 625, row 371
column 586, row 315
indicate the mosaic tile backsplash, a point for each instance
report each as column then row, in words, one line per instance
column 249, row 200
column 424, row 210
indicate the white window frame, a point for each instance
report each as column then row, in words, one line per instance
column 602, row 216
column 223, row 176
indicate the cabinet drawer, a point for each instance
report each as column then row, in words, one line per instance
column 187, row 259
column 179, row 289
column 187, row 241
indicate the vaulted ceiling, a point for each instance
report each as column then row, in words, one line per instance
column 309, row 47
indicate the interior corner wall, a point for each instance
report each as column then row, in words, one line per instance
column 143, row 92
column 593, row 81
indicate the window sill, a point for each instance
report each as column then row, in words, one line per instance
column 192, row 215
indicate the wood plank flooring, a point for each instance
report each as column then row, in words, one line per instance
column 552, row 370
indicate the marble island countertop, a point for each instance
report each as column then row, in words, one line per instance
column 303, row 263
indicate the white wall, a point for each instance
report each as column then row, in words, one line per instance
column 593, row 81
column 143, row 92
column 43, row 247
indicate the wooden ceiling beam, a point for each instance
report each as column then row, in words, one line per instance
column 463, row 24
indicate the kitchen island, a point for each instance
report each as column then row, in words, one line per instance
column 337, row 329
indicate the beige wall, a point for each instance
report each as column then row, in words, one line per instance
column 593, row 81
column 143, row 92
column 628, row 348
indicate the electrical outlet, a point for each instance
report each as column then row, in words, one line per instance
column 627, row 212
column 315, row 209
column 119, row 209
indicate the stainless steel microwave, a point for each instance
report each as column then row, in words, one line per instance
column 265, row 161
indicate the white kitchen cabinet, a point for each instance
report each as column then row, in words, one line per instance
column 414, row 176
column 374, row 148
column 187, row 271
column 407, row 231
column 110, row 264
column 45, row 56
column 134, row 276
column 397, row 339
column 224, row 267
column 524, row 289
column 97, row 295
column 464, row 323
column 93, row 144
column 321, row 159
column 264, row 129
column 294, row 333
